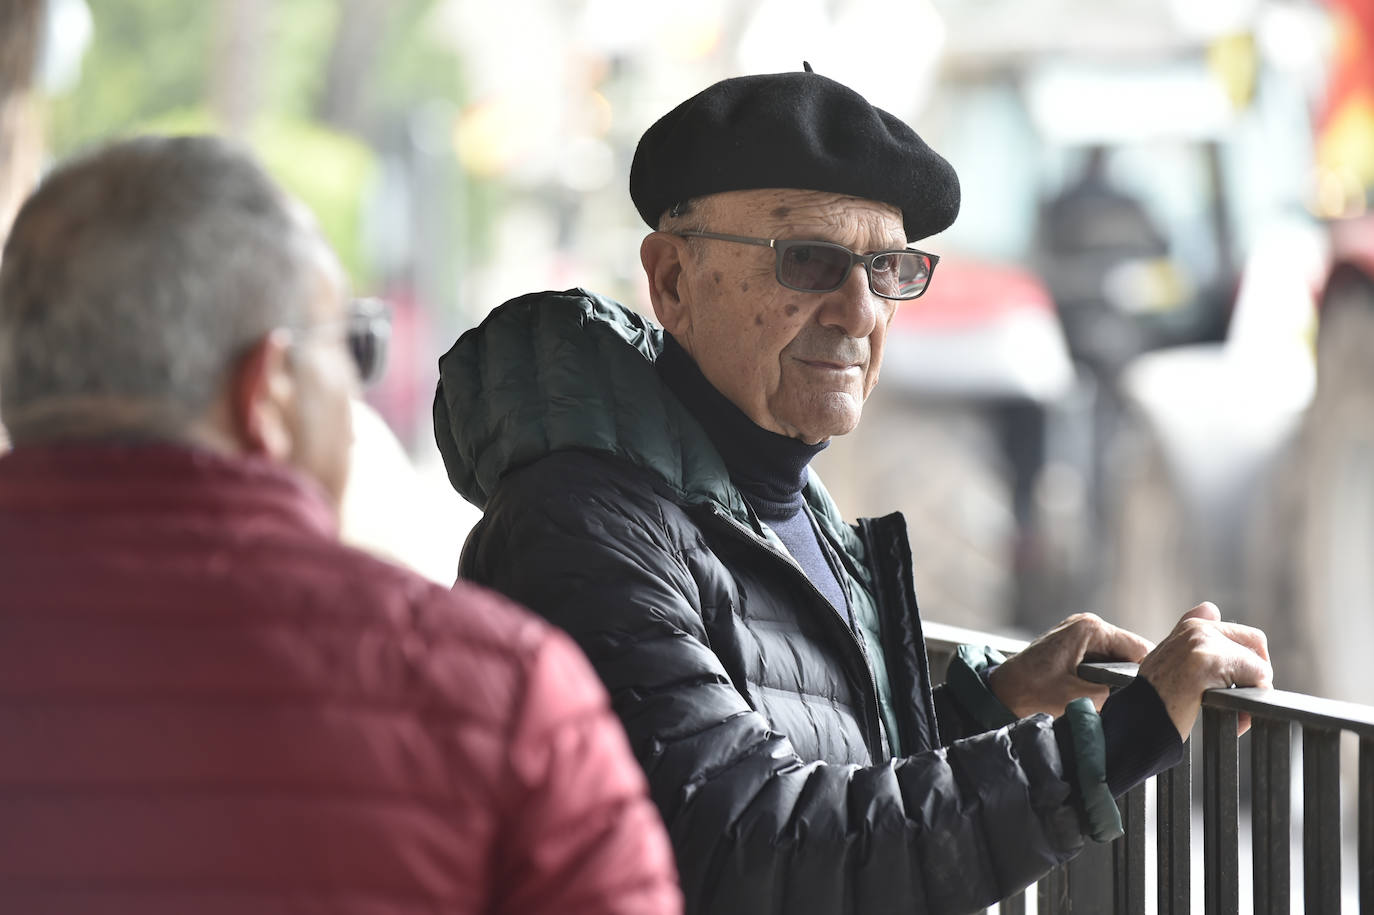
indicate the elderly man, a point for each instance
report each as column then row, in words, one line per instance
column 207, row 704
column 647, row 490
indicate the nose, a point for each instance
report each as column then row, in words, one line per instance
column 853, row 308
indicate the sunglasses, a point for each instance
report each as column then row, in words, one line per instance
column 369, row 337
column 822, row 266
column 367, row 333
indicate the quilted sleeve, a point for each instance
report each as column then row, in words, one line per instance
column 579, row 835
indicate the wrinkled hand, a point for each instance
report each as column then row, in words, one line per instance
column 1204, row 653
column 1044, row 677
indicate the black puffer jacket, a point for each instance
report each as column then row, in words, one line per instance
column 746, row 696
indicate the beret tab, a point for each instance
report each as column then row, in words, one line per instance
column 791, row 130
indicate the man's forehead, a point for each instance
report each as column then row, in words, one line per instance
column 780, row 209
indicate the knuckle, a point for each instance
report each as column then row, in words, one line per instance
column 1195, row 628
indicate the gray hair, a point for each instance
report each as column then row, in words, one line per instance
column 140, row 273
column 691, row 215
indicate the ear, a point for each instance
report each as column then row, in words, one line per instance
column 662, row 254
column 262, row 398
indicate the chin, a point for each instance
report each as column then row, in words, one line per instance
column 831, row 426
column 821, row 417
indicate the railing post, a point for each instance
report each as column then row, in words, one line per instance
column 1366, row 826
column 1174, row 829
column 1052, row 894
column 1321, row 819
column 1129, row 855
column 1270, row 811
column 1090, row 879
column 1015, row 904
column 1220, row 810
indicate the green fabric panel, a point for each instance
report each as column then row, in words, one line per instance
column 965, row 680
column 870, row 629
column 1090, row 752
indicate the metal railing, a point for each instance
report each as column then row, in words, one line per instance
column 1112, row 878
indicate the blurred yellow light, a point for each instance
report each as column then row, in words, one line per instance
column 1339, row 193
column 491, row 136
column 1346, row 145
column 691, row 38
column 1234, row 61
column 602, row 113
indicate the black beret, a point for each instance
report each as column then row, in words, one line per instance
column 791, row 130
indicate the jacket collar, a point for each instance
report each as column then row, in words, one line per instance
column 158, row 480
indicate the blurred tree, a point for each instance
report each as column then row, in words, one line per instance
column 239, row 55
column 320, row 88
column 352, row 60
column 148, row 57
column 20, row 28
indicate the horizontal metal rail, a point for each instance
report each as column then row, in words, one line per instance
column 1080, row 887
column 1299, row 708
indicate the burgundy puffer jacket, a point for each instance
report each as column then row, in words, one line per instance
column 208, row 705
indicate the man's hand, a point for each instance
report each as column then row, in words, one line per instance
column 1044, row 677
column 1204, row 653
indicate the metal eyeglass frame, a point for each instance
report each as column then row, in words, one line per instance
column 781, row 245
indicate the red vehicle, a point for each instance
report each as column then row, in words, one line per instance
column 1329, row 483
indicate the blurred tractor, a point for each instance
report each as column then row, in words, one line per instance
column 1095, row 407
column 1255, row 480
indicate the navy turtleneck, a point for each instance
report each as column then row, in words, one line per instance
column 770, row 470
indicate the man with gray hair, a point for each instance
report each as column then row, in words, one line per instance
column 206, row 702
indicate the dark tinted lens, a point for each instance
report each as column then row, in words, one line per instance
column 369, row 333
column 900, row 275
column 813, row 267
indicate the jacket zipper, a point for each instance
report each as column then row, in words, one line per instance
column 872, row 725
column 881, row 564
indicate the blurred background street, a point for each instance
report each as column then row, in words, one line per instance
column 1142, row 376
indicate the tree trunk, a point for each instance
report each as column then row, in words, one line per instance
column 352, row 59
column 240, row 54
column 20, row 146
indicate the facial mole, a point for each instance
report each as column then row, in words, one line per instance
column 744, row 286
column 781, row 212
column 758, row 320
column 717, row 276
column 791, row 310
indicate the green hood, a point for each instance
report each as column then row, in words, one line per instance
column 552, row 371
